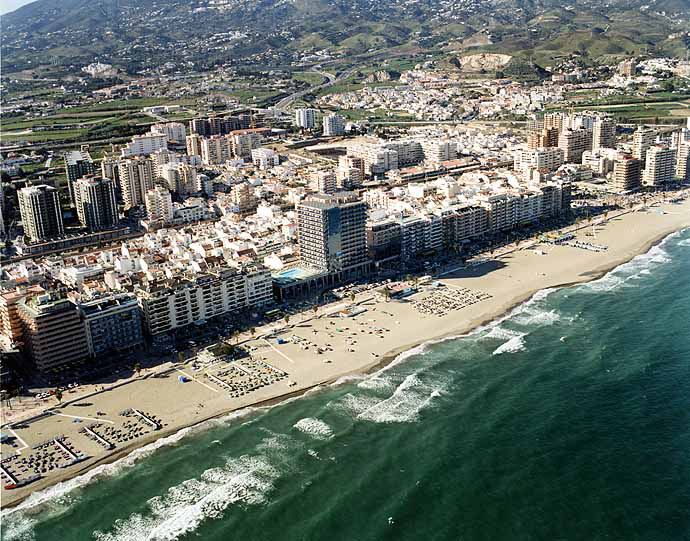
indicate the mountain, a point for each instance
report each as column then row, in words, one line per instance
column 135, row 34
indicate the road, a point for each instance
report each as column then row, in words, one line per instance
column 285, row 103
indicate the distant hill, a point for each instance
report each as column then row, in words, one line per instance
column 135, row 34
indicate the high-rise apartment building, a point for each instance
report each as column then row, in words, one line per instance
column 136, row 178
column 183, row 301
column 333, row 124
column 543, row 159
column 604, row 133
column 659, row 166
column 193, row 143
column 53, row 332
column 324, row 182
column 159, row 205
column 181, row 178
column 244, row 200
column 77, row 164
column 174, row 131
column 332, row 235
column 350, row 172
column 683, row 162
column 39, row 207
column 574, row 143
column 627, row 174
column 643, row 138
column 305, row 118
column 216, row 149
column 143, row 145
column 96, row 203
column 112, row 324
column 546, row 137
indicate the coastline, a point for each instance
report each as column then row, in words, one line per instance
column 459, row 329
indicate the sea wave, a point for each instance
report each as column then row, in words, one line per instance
column 515, row 344
column 53, row 495
column 247, row 480
column 316, row 428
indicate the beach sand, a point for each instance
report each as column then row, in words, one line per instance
column 364, row 342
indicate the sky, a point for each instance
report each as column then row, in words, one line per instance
column 10, row 5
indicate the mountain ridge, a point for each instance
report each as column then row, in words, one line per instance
column 202, row 33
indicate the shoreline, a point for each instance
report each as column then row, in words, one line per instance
column 386, row 359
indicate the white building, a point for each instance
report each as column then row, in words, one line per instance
column 333, row 124
column 544, row 158
column 265, row 158
column 659, row 166
column 159, row 204
column 305, row 118
column 182, row 301
column 175, row 131
column 136, row 178
column 143, row 145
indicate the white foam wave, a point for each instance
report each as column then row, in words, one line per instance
column 247, row 480
column 515, row 344
column 55, row 494
column 315, row 428
column 405, row 404
column 18, row 528
column 685, row 243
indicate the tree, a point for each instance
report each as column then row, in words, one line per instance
column 351, row 295
column 286, row 319
column 180, row 357
column 252, row 331
column 137, row 368
column 58, row 395
column 315, row 309
column 387, row 293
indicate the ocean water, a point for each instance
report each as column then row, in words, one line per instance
column 567, row 419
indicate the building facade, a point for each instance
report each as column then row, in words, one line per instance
column 39, row 207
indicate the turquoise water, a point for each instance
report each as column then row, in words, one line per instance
column 569, row 419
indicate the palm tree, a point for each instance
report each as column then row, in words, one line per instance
column 286, row 319
column 58, row 395
column 351, row 295
column 252, row 331
column 315, row 309
column 137, row 368
column 387, row 293
column 180, row 357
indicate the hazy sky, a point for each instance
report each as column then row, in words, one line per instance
column 10, row 5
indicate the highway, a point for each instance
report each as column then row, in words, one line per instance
column 285, row 103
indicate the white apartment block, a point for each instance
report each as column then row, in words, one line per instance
column 143, row 145
column 604, row 133
column 643, row 138
column 683, row 162
column 265, row 158
column 544, row 158
column 439, row 151
column 136, row 178
column 186, row 300
column 659, row 166
column 216, row 149
column 333, row 125
column 305, row 118
column 174, row 131
column 159, row 204
column 324, row 182
column 181, row 178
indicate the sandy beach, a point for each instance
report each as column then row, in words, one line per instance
column 318, row 349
